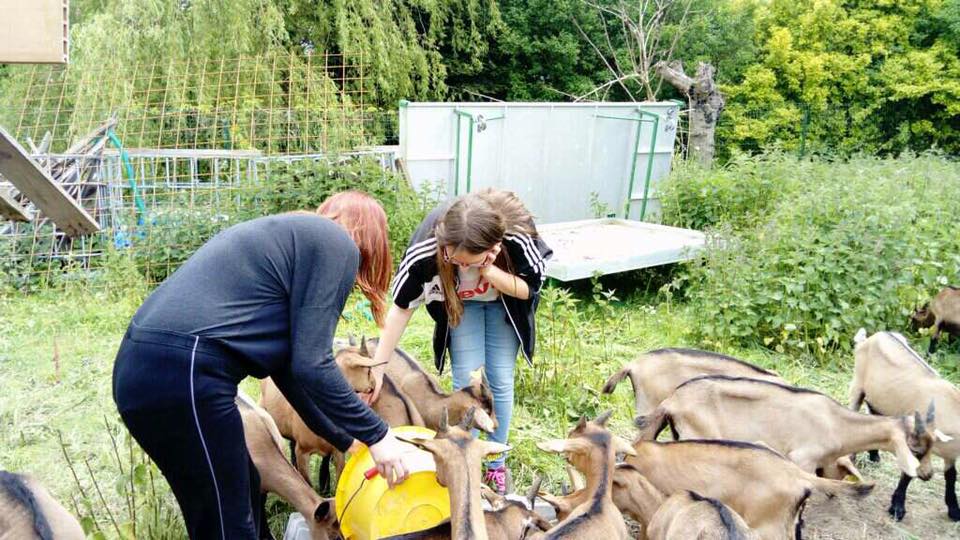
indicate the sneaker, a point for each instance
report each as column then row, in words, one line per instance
column 496, row 478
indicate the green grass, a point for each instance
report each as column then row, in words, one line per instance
column 584, row 337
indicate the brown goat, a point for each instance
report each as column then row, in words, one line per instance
column 458, row 456
column 508, row 518
column 687, row 515
column 431, row 401
column 633, row 495
column 942, row 313
column 892, row 379
column 27, row 510
column 811, row 429
column 764, row 487
column 656, row 374
column 356, row 364
column 591, row 449
column 278, row 476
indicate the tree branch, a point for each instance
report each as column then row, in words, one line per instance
column 613, row 72
column 673, row 73
column 610, row 83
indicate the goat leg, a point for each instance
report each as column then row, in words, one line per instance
column 874, row 454
column 935, row 338
column 950, row 496
column 898, row 503
column 323, row 475
column 264, row 532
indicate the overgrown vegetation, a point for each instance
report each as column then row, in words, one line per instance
column 807, row 252
column 58, row 345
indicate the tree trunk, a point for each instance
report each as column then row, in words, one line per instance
column 706, row 103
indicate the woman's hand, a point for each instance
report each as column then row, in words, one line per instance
column 389, row 456
column 491, row 257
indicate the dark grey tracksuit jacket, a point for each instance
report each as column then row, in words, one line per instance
column 271, row 291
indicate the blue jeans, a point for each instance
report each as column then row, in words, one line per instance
column 486, row 338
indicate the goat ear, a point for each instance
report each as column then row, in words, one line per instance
column 604, row 417
column 552, row 500
column 941, row 436
column 491, row 448
column 323, row 512
column 623, row 447
column 919, row 426
column 495, row 499
column 931, row 413
column 483, row 421
column 477, row 375
column 557, row 446
column 582, row 423
column 363, row 347
column 577, row 481
column 444, row 422
column 534, row 489
column 423, row 444
column 467, row 421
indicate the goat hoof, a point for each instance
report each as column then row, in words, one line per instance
column 954, row 514
column 874, row 456
column 897, row 512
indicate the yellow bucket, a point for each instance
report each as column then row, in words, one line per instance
column 369, row 510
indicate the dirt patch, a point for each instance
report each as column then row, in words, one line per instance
column 845, row 519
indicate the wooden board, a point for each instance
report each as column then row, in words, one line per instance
column 34, row 31
column 45, row 193
column 11, row 209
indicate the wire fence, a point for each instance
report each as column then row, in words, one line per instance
column 176, row 201
column 278, row 103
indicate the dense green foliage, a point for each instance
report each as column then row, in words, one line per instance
column 177, row 230
column 855, row 75
column 803, row 262
column 831, row 76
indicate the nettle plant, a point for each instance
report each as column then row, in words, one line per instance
column 859, row 246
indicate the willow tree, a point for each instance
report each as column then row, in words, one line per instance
column 409, row 48
column 204, row 73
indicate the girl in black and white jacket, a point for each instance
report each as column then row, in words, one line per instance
column 478, row 265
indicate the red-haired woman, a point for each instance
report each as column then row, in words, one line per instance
column 260, row 299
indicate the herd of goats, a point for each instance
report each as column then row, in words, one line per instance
column 748, row 448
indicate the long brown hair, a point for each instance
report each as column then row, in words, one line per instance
column 475, row 223
column 366, row 222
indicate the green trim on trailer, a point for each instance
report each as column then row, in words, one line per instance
column 633, row 160
column 456, row 163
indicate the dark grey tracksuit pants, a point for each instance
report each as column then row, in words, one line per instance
column 176, row 394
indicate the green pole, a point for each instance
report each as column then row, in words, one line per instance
column 456, row 187
column 633, row 171
column 456, row 162
column 653, row 146
column 470, row 155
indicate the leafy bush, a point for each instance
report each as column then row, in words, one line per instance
column 304, row 184
column 737, row 194
column 178, row 229
column 852, row 244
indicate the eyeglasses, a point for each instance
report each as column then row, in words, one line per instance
column 447, row 258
